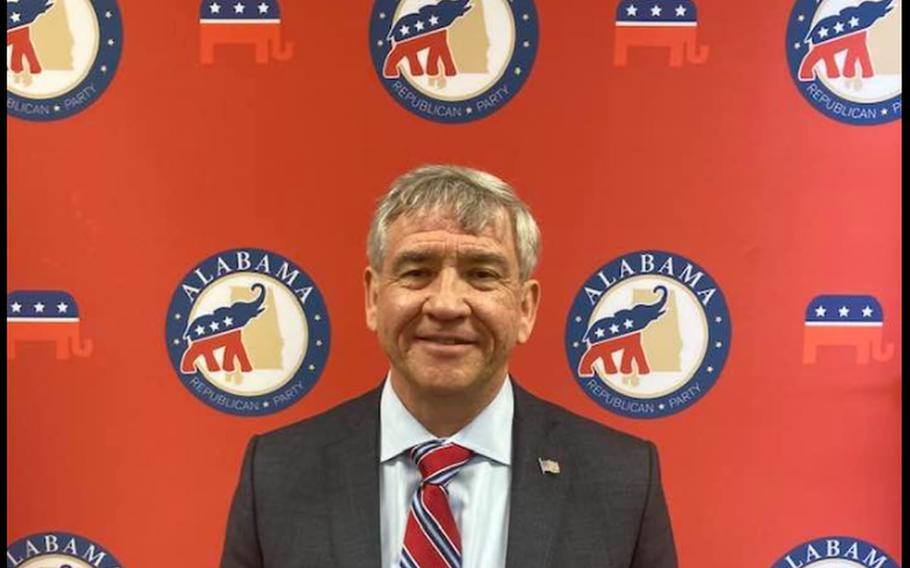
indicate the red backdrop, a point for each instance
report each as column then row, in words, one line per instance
column 724, row 163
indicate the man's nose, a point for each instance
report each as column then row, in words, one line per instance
column 447, row 298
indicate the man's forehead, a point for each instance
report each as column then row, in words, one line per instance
column 435, row 225
column 418, row 238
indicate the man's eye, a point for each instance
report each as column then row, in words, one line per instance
column 484, row 274
column 416, row 273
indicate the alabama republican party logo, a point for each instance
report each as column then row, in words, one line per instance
column 58, row 550
column 61, row 55
column 248, row 332
column 648, row 334
column 45, row 316
column 845, row 58
column 453, row 60
column 836, row 552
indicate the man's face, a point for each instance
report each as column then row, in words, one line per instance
column 448, row 306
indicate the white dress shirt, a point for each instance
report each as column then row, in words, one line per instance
column 478, row 495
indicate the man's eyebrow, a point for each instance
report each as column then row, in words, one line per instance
column 412, row 257
column 486, row 258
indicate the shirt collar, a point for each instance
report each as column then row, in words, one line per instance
column 489, row 434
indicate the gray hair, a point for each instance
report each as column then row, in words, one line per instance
column 474, row 199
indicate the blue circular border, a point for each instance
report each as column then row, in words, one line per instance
column 108, row 55
column 318, row 329
column 820, row 544
column 523, row 57
column 714, row 357
column 82, row 544
column 796, row 33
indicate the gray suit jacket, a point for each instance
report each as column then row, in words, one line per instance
column 309, row 494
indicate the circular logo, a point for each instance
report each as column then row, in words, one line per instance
column 248, row 332
column 61, row 55
column 58, row 550
column 836, row 552
column 648, row 334
column 453, row 60
column 845, row 58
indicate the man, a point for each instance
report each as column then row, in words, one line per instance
column 449, row 463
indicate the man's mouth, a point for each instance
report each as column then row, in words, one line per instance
column 445, row 339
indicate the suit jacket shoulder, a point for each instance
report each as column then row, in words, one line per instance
column 307, row 491
column 588, row 430
column 309, row 437
column 607, row 499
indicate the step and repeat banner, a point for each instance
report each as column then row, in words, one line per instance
column 189, row 192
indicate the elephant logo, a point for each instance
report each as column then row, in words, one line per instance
column 255, row 23
column 648, row 334
column 247, row 332
column 427, row 29
column 58, row 550
column 453, row 61
column 843, row 32
column 221, row 330
column 845, row 58
column 20, row 15
column 61, row 55
column 854, row 321
column 621, row 332
column 671, row 24
column 836, row 552
column 45, row 316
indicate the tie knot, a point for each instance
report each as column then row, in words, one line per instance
column 439, row 461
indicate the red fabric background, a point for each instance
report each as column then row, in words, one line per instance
column 724, row 163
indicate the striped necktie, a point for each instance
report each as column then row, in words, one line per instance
column 431, row 538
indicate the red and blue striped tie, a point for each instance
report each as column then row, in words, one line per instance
column 431, row 537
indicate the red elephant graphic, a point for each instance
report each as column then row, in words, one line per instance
column 221, row 329
column 661, row 23
column 847, row 321
column 20, row 15
column 621, row 332
column 426, row 29
column 242, row 23
column 844, row 31
column 45, row 316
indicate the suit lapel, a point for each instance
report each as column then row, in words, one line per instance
column 353, row 481
column 536, row 498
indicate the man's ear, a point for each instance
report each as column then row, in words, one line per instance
column 530, row 301
column 371, row 296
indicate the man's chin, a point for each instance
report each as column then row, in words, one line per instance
column 444, row 387
column 441, row 384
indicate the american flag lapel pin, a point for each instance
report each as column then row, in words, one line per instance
column 548, row 466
